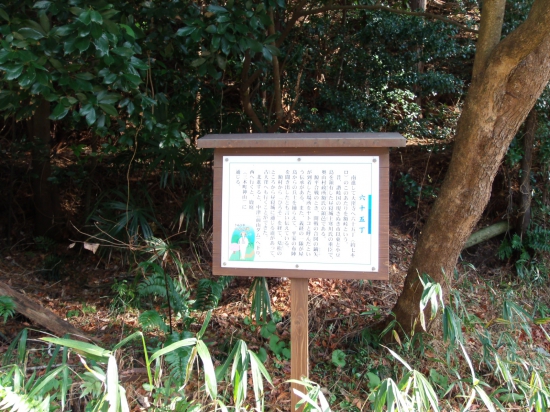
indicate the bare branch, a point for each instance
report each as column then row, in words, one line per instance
column 277, row 95
column 245, row 94
column 382, row 8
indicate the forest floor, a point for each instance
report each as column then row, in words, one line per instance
column 338, row 309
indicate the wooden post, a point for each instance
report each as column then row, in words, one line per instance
column 299, row 356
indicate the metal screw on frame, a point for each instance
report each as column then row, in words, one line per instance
column 297, row 266
column 227, row 159
column 225, row 263
column 299, row 159
column 373, row 269
column 373, row 160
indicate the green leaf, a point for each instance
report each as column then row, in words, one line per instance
column 4, row 15
column 82, row 348
column 13, row 72
column 129, row 30
column 82, row 44
column 63, row 30
column 204, row 324
column 45, row 22
column 107, row 14
column 110, row 78
column 42, row 78
column 102, row 44
column 27, row 78
column 109, row 109
column 138, row 64
column 85, row 17
column 272, row 49
column 212, row 29
column 84, row 31
column 135, row 80
column 217, row 9
column 123, row 51
column 29, row 33
column 209, row 373
column 113, row 395
column 185, row 31
column 130, row 108
column 255, row 45
column 96, row 17
column 173, row 347
column 221, row 62
column 91, row 117
column 42, row 5
column 84, row 110
column 198, row 62
column 374, row 380
column 85, row 76
column 96, row 31
column 511, row 397
column 262, row 354
column 339, row 358
column 267, row 54
column 108, row 98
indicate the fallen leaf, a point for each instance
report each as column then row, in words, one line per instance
column 91, row 246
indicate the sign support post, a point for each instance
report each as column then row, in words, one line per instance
column 308, row 205
column 299, row 351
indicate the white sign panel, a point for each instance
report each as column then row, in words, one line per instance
column 300, row 212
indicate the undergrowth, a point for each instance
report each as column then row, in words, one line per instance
column 487, row 348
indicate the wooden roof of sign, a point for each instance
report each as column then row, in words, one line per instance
column 287, row 140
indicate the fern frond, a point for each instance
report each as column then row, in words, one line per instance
column 539, row 239
column 13, row 401
column 153, row 285
column 152, row 319
column 44, row 243
column 158, row 283
column 7, row 307
column 209, row 292
column 178, row 359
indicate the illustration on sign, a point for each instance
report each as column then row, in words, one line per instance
column 242, row 243
column 309, row 212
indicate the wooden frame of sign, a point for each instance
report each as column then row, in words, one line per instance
column 261, row 250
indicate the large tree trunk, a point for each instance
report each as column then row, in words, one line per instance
column 45, row 193
column 507, row 81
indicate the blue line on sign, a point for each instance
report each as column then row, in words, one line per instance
column 370, row 215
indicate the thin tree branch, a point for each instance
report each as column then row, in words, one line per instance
column 381, row 8
column 245, row 94
column 277, row 95
column 492, row 17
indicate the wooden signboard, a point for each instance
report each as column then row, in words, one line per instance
column 308, row 205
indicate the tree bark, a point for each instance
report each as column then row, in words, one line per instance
column 418, row 5
column 39, row 314
column 490, row 32
column 500, row 97
column 45, row 193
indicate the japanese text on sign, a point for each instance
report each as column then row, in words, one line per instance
column 308, row 212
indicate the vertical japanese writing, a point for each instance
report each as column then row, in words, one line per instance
column 317, row 211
